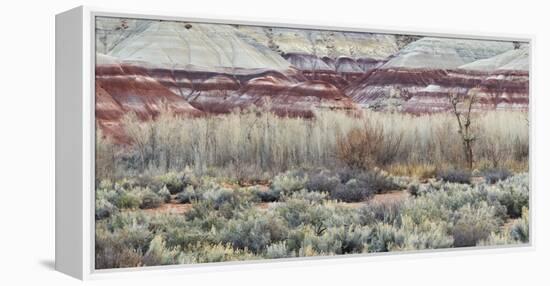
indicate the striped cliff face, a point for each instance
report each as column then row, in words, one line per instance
column 197, row 69
column 416, row 81
column 427, row 90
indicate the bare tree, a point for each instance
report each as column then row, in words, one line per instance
column 464, row 122
column 139, row 134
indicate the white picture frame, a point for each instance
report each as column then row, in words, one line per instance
column 75, row 141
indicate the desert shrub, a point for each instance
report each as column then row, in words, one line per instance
column 188, row 195
column 111, row 252
column 413, row 189
column 344, row 239
column 381, row 181
column 519, row 230
column 269, row 195
column 103, row 208
column 513, row 193
column 277, row 250
column 120, row 241
column 454, row 176
column 312, row 197
column 353, row 191
column 172, row 181
column 164, row 193
column 336, row 240
column 298, row 212
column 386, row 212
column 128, row 200
column 493, row 176
column 427, row 208
column 323, row 181
column 426, row 235
column 251, row 232
column 289, row 182
column 385, row 237
column 176, row 182
column 159, row 254
column 207, row 252
column 150, row 199
column 228, row 202
column 105, row 200
column 220, row 196
column 349, row 185
column 185, row 236
column 502, row 238
column 473, row 224
column 200, row 210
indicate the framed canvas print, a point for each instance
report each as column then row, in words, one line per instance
column 185, row 141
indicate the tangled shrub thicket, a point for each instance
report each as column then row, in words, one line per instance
column 455, row 176
column 512, row 193
column 257, row 144
column 126, row 195
column 306, row 219
column 519, row 230
column 493, row 176
column 176, row 182
column 473, row 224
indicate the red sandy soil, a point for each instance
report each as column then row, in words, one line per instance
column 174, row 207
column 385, row 198
column 170, row 208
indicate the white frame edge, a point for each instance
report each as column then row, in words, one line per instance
column 75, row 147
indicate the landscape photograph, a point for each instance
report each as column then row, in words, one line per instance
column 223, row 142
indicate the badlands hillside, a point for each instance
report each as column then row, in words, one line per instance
column 199, row 68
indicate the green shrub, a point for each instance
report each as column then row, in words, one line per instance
column 177, row 182
column 128, row 200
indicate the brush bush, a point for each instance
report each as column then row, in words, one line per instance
column 455, row 176
column 493, row 176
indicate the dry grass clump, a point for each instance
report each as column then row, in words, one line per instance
column 253, row 145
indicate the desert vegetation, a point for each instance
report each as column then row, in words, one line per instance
column 255, row 144
column 251, row 185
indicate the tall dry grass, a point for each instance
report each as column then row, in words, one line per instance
column 255, row 142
